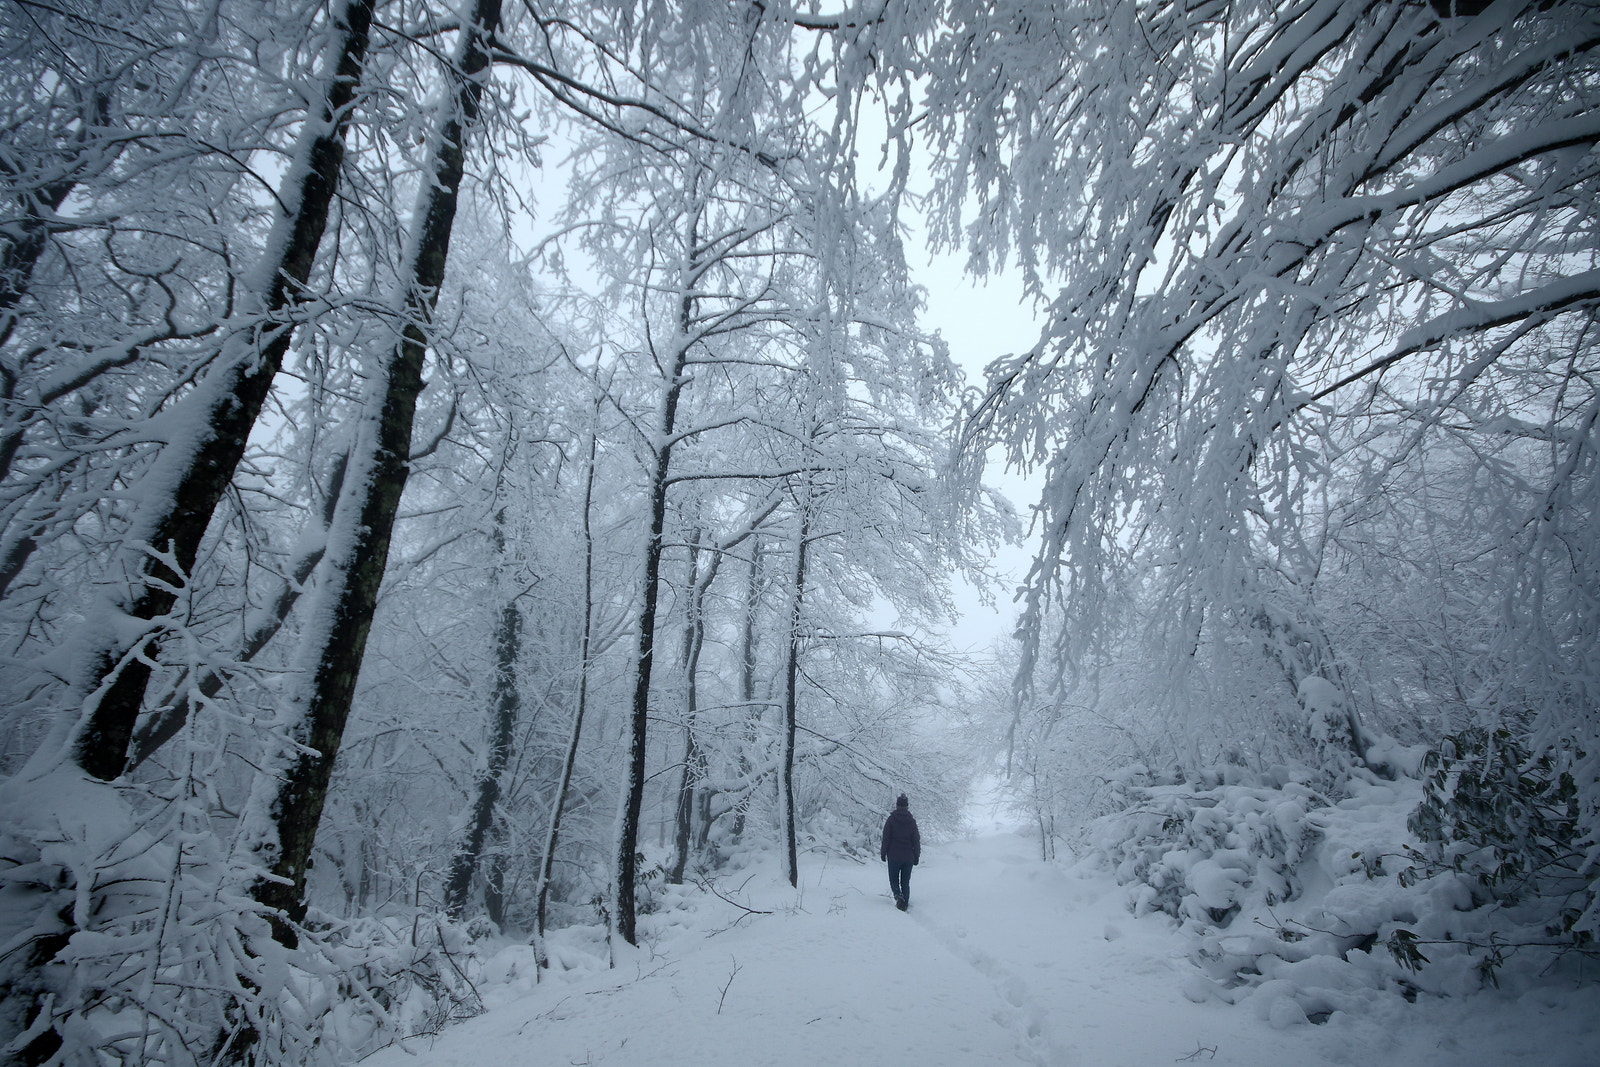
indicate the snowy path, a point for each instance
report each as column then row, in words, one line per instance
column 1001, row 960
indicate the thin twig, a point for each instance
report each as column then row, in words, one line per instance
column 712, row 889
column 726, row 984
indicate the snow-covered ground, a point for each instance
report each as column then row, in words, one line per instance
column 1001, row 959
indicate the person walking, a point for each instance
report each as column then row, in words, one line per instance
column 902, row 847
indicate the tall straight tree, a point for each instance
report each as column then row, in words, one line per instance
column 358, row 549
column 694, row 639
column 569, row 756
column 193, row 474
column 791, row 680
column 749, row 638
column 507, row 703
column 676, row 361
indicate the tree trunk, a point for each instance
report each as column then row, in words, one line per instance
column 24, row 242
column 494, row 890
column 692, row 783
column 694, row 632
column 366, row 512
column 168, row 720
column 507, row 703
column 747, row 675
column 791, row 674
column 633, row 786
column 553, row 835
column 230, row 399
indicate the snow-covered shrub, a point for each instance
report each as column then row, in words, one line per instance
column 1282, row 888
column 420, row 970
column 1508, row 819
column 131, row 937
column 1430, row 880
column 1202, row 854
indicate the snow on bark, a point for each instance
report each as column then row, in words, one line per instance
column 335, row 635
column 205, row 437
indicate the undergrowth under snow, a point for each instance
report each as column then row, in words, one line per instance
column 1003, row 958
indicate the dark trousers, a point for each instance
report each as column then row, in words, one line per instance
column 900, row 879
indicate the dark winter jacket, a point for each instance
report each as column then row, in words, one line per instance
column 901, row 841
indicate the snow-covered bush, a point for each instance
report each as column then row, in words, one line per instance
column 131, row 938
column 1463, row 868
column 1203, row 854
column 1508, row 819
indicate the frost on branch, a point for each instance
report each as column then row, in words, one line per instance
column 1316, row 385
column 135, row 941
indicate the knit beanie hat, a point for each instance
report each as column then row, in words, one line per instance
column 901, row 801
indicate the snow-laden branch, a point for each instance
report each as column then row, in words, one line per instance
column 1529, row 309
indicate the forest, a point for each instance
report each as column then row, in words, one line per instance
column 481, row 469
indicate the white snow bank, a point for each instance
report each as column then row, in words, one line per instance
column 1002, row 959
column 1300, row 907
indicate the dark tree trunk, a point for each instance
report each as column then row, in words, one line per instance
column 168, row 721
column 791, row 674
column 371, row 502
column 694, row 632
column 26, row 238
column 569, row 760
column 633, row 800
column 639, row 717
column 21, row 247
column 12, row 562
column 231, row 405
column 507, row 704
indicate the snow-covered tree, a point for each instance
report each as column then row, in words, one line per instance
column 1319, row 281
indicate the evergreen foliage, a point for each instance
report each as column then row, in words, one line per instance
column 1508, row 819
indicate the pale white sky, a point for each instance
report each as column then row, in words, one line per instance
column 981, row 322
